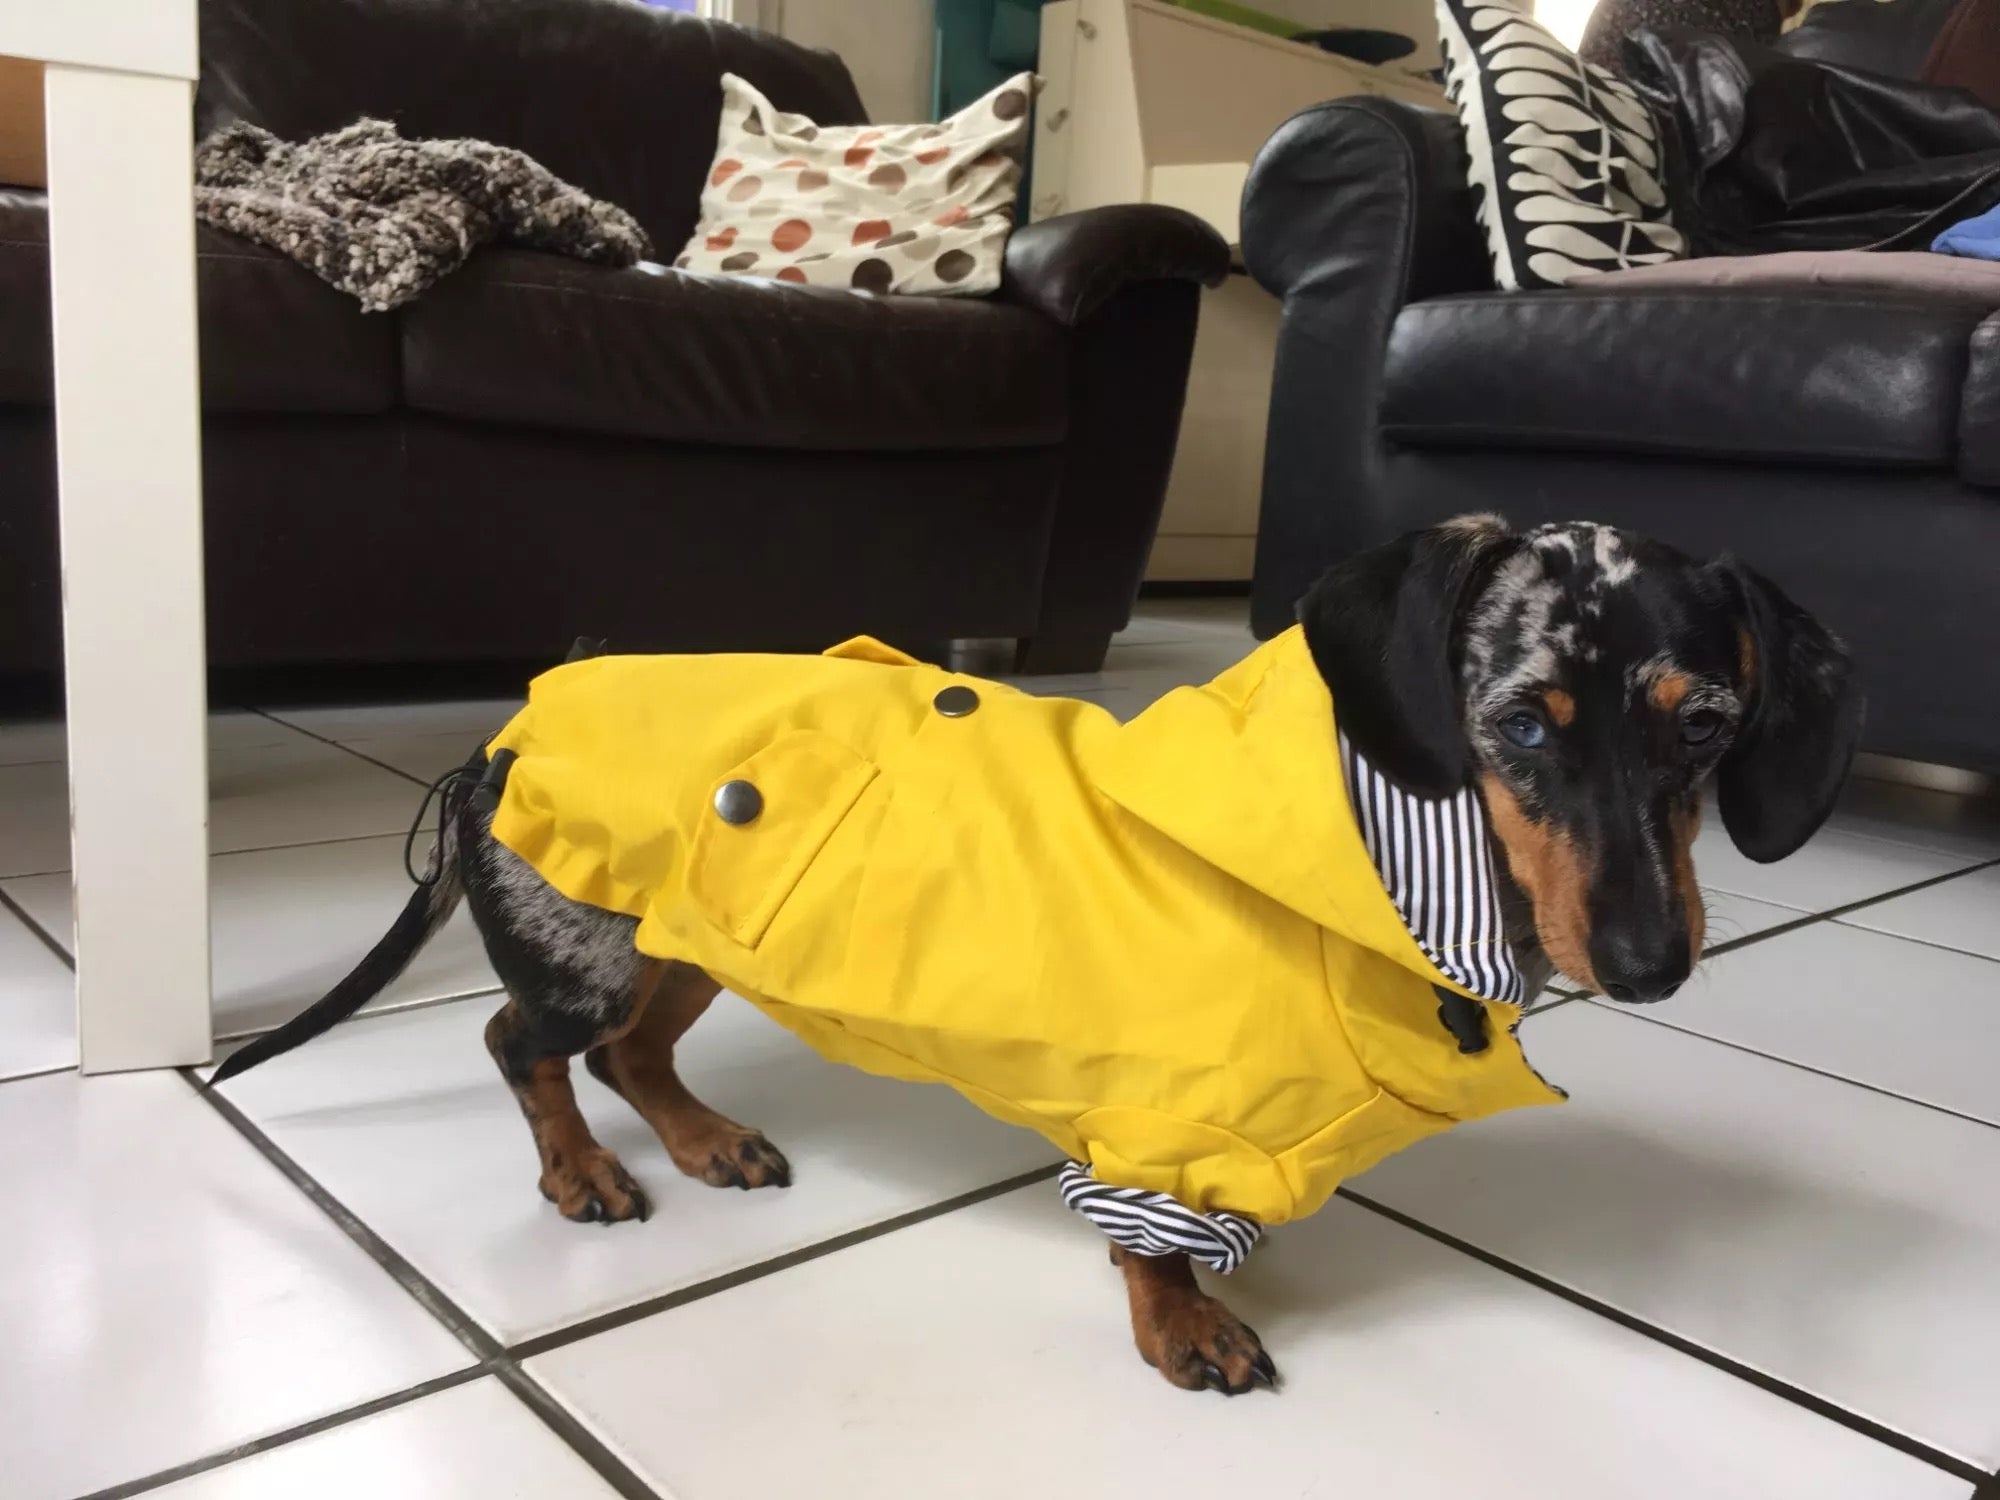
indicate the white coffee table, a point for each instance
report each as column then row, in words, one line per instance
column 119, row 94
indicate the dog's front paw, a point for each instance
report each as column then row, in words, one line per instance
column 750, row 1161
column 1199, row 1344
column 595, row 1190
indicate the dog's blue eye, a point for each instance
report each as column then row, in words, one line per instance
column 1525, row 730
column 1701, row 726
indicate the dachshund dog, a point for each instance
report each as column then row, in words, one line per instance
column 1589, row 685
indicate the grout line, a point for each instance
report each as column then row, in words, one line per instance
column 48, row 939
column 1903, row 937
column 1792, row 1062
column 48, row 1072
column 426, row 1294
column 358, row 755
column 1797, row 1395
column 288, row 1435
column 565, row 1424
column 214, row 854
column 374, row 1012
column 667, row 1301
column 491, row 1357
column 1834, row 913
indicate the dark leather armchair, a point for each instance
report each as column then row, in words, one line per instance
column 1832, row 418
column 538, row 448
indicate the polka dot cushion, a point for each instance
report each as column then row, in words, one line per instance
column 921, row 209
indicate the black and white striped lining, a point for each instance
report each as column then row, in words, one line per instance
column 1437, row 866
column 1153, row 1224
column 1435, row 862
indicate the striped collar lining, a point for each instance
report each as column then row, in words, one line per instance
column 1436, row 862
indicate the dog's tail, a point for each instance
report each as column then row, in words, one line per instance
column 436, row 897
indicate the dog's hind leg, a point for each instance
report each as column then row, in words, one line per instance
column 639, row 1065
column 533, row 1043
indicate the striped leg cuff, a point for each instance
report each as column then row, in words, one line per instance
column 1154, row 1224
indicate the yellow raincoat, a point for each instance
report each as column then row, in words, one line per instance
column 1162, row 945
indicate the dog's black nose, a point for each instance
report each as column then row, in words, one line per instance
column 1640, row 968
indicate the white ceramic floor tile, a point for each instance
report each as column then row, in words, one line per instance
column 25, row 741
column 260, row 797
column 1836, row 867
column 468, row 719
column 1842, row 1241
column 472, row 1442
column 424, row 756
column 165, row 1293
column 405, row 1120
column 1921, row 817
column 1731, row 916
column 1915, row 1020
column 1179, row 618
column 287, row 924
column 37, row 1004
column 987, row 1354
column 1183, row 661
column 1962, row 913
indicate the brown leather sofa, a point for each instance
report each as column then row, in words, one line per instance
column 539, row 449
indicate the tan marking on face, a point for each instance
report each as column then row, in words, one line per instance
column 1669, row 689
column 1684, row 826
column 1746, row 659
column 1552, row 870
column 1561, row 707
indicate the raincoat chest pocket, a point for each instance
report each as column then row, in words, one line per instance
column 766, row 822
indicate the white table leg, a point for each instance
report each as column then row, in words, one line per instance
column 128, row 438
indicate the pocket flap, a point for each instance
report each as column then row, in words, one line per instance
column 740, row 874
column 867, row 648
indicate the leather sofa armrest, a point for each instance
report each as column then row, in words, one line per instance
column 1368, row 196
column 1353, row 209
column 1069, row 266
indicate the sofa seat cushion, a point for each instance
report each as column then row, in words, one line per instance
column 521, row 337
column 1846, row 358
column 274, row 337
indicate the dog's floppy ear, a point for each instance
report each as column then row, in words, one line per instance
column 1779, row 780
column 1381, row 628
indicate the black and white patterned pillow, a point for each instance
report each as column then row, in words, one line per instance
column 1564, row 156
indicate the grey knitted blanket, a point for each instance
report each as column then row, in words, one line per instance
column 383, row 218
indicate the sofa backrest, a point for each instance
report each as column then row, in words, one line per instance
column 1883, row 36
column 617, row 97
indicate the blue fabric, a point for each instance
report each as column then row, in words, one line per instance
column 1977, row 238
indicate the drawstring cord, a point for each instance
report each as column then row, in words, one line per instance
column 479, row 777
column 442, row 788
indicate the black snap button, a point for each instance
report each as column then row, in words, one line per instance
column 738, row 802
column 956, row 701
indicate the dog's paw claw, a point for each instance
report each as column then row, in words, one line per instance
column 764, row 1165
column 601, row 1192
column 750, row 1162
column 1200, row 1345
